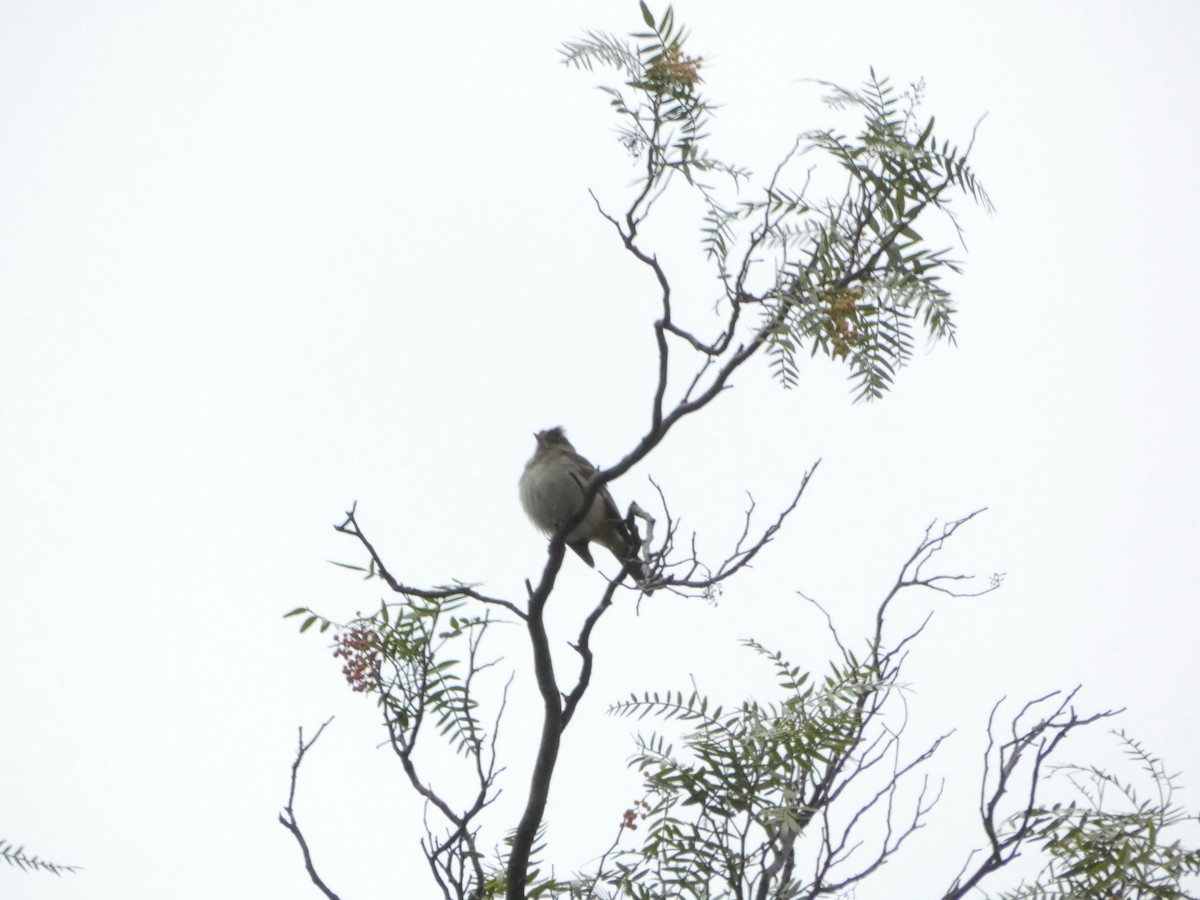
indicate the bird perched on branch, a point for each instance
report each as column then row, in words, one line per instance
column 552, row 489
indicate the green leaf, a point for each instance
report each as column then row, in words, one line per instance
column 646, row 15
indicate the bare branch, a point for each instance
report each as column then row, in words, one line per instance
column 379, row 570
column 287, row 818
column 911, row 574
column 583, row 646
column 743, row 552
column 1032, row 744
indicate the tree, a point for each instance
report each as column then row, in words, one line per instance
column 769, row 799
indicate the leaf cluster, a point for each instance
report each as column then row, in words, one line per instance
column 403, row 654
column 859, row 280
column 1114, row 842
column 855, row 280
column 725, row 809
column 661, row 113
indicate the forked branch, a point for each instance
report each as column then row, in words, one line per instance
column 1015, row 766
column 287, row 818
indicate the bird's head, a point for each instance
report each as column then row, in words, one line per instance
column 553, row 437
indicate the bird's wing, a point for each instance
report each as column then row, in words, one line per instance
column 605, row 498
column 629, row 537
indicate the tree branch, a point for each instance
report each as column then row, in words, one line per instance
column 287, row 818
column 377, row 569
column 1034, row 742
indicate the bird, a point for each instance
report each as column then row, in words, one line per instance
column 552, row 488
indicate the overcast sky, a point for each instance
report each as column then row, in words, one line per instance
column 261, row 260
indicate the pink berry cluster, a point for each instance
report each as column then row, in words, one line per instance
column 360, row 647
column 639, row 810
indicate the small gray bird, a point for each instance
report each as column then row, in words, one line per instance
column 552, row 488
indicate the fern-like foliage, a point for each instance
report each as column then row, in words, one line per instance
column 862, row 281
column 1116, row 841
column 725, row 809
column 16, row 856
column 420, row 658
column 538, row 886
column 404, row 655
column 661, row 113
column 855, row 280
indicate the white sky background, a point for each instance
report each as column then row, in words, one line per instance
column 258, row 261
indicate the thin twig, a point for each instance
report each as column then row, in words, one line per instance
column 287, row 818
